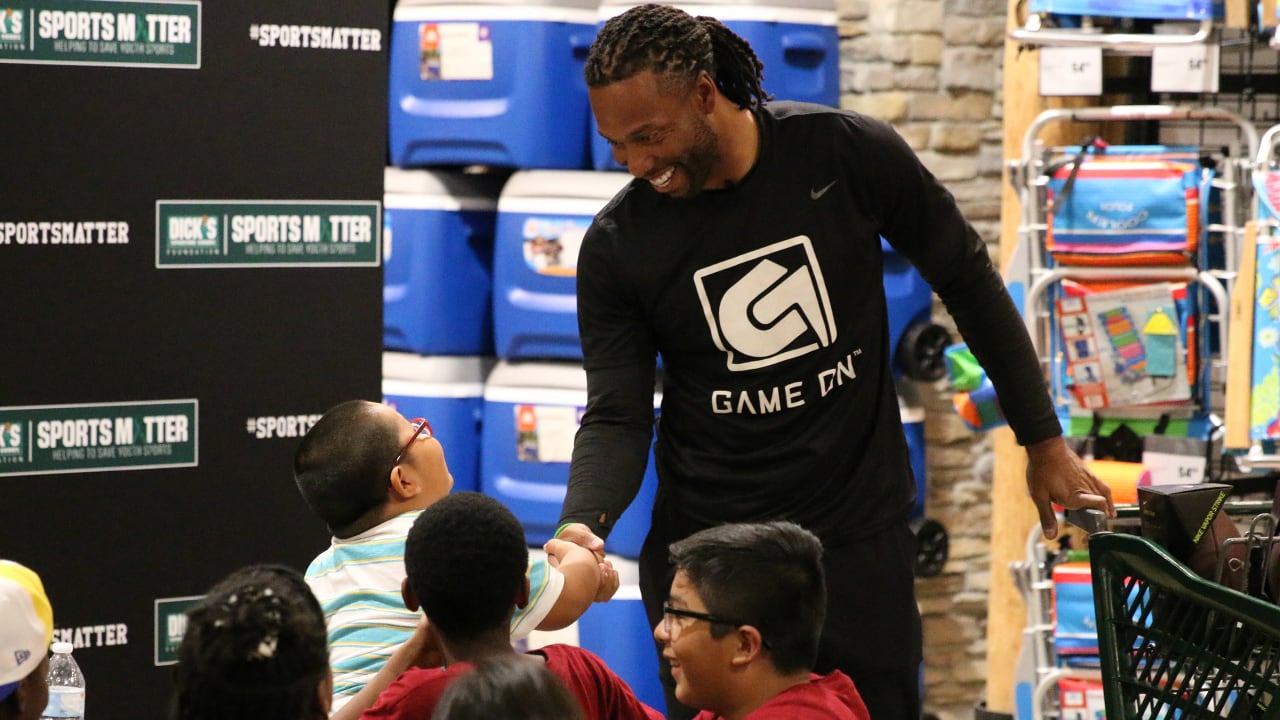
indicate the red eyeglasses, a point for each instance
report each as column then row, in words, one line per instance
column 421, row 429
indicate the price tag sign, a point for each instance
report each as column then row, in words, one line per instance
column 1185, row 69
column 1070, row 71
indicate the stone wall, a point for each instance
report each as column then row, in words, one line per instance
column 932, row 69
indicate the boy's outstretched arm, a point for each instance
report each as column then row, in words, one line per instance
column 587, row 579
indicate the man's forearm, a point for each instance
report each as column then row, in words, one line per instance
column 995, row 332
column 612, row 447
column 608, row 467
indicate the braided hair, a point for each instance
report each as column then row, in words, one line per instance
column 255, row 647
column 676, row 45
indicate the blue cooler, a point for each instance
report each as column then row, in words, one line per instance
column 438, row 261
column 1154, row 9
column 531, row 413
column 542, row 216
column 797, row 40
column 490, row 83
column 448, row 391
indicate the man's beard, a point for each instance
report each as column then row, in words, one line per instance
column 702, row 157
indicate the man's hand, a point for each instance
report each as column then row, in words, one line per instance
column 580, row 534
column 1055, row 474
column 609, row 582
column 570, row 536
column 582, row 577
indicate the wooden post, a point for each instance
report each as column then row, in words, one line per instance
column 1012, row 514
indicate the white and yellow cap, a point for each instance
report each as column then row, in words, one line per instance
column 26, row 624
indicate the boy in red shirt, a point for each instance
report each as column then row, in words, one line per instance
column 466, row 559
column 741, row 625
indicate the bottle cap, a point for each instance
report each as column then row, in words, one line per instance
column 62, row 648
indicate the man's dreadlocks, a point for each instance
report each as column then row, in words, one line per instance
column 673, row 44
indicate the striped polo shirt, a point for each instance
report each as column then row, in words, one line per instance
column 357, row 581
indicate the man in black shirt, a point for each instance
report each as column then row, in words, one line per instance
column 747, row 253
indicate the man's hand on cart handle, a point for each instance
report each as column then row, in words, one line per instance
column 1055, row 474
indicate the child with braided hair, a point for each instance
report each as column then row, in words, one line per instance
column 254, row 648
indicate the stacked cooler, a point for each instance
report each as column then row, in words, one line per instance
column 535, row 397
column 493, row 83
column 532, row 411
column 437, row 306
column 542, row 217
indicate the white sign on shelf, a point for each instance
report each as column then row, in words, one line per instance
column 1070, row 71
column 1185, row 68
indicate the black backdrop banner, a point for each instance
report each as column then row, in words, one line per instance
column 155, row 377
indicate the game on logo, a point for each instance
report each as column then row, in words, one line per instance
column 767, row 306
column 11, row 439
column 13, row 27
column 193, row 231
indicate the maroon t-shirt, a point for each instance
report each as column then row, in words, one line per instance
column 830, row 697
column 600, row 692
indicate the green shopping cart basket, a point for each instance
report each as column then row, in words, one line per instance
column 1175, row 646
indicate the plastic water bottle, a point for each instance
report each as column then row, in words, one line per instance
column 66, row 684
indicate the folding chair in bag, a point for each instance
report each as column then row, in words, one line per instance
column 1126, row 255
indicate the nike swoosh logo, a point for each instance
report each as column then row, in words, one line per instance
column 815, row 194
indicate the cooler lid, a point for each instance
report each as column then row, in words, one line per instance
column 814, row 12
column 537, row 374
column 434, row 375
column 441, row 189
column 560, row 383
column 572, row 191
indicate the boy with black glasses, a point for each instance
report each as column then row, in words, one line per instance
column 742, row 623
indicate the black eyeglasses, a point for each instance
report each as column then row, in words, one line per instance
column 669, row 612
column 421, row 429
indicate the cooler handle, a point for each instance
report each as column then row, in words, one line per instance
column 580, row 43
column 807, row 48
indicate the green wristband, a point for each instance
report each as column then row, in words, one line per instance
column 561, row 529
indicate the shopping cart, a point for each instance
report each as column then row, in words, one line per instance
column 1174, row 645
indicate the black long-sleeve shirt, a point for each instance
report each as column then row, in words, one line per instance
column 766, row 302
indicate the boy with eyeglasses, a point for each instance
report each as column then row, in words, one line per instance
column 741, row 648
column 367, row 472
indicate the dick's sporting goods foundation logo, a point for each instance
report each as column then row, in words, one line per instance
column 767, row 306
column 194, row 231
column 13, row 25
column 11, row 444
